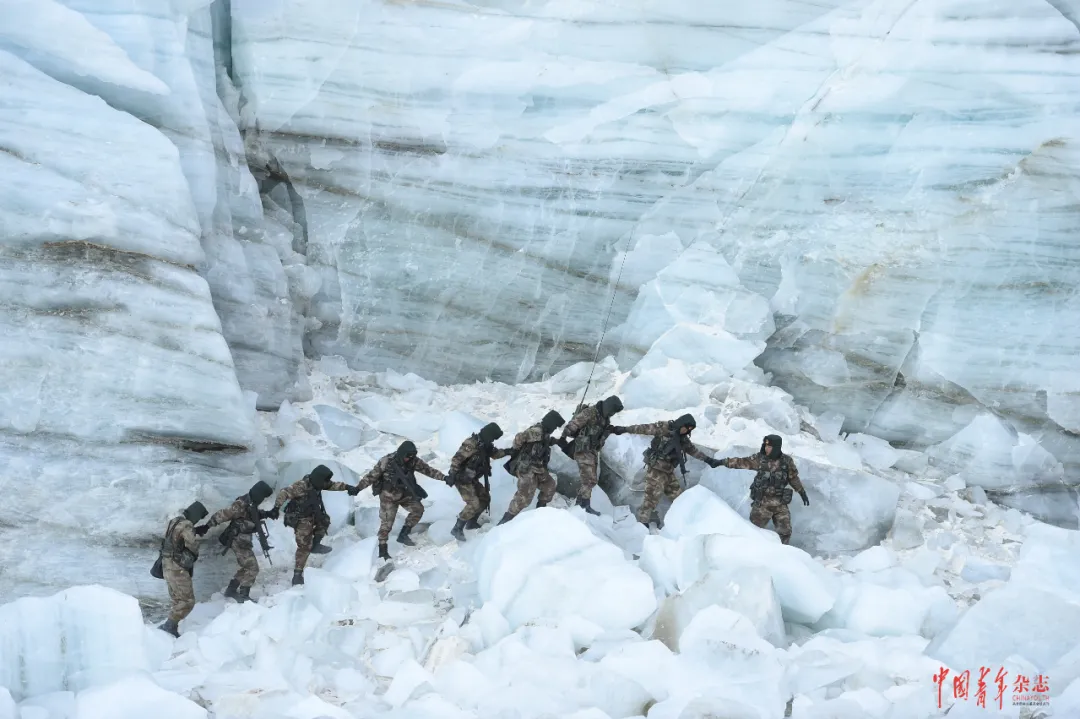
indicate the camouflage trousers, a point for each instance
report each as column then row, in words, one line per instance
column 389, row 501
column 180, row 590
column 309, row 530
column 587, row 463
column 529, row 479
column 775, row 509
column 658, row 482
column 245, row 558
column 475, row 496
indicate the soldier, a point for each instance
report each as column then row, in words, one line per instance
column 244, row 518
column 473, row 461
column 393, row 481
column 179, row 552
column 671, row 443
column 306, row 514
column 769, row 492
column 589, row 428
column 532, row 451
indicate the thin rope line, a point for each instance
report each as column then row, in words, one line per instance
column 603, row 333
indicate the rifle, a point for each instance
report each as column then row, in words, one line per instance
column 260, row 530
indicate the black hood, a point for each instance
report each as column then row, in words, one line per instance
column 776, row 441
column 687, row 420
column 195, row 512
column 320, row 477
column 259, row 492
column 406, row 453
column 490, row 433
column 551, row 422
column 611, row 406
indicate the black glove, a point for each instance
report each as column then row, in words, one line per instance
column 451, row 479
column 805, row 499
column 713, row 462
column 201, row 531
column 273, row 513
column 618, row 430
column 353, row 490
column 266, row 514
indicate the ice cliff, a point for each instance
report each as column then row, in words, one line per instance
column 869, row 204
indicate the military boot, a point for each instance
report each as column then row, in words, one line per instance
column 403, row 537
column 458, row 532
column 584, row 504
column 298, row 577
column 170, row 627
column 230, row 591
column 540, row 503
column 473, row 523
column 318, row 547
column 506, row 518
column 384, row 553
column 243, row 594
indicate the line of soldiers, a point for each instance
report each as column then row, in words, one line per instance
column 393, row 480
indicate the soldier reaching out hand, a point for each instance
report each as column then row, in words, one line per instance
column 771, row 490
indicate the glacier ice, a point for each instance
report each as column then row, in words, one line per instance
column 547, row 563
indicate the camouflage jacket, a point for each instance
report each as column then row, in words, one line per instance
column 533, row 447
column 302, row 489
column 382, row 473
column 181, row 545
column 661, row 431
column 773, row 475
column 590, row 428
column 239, row 513
column 473, row 460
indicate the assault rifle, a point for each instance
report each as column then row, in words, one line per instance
column 259, row 518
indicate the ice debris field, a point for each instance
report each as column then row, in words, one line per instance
column 562, row 614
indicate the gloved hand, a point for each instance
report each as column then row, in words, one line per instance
column 353, row 490
column 716, row 462
column 273, row 513
column 267, row 514
column 618, row 430
column 201, row 531
column 450, row 480
column 805, row 499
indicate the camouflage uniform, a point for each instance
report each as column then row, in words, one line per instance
column 392, row 494
column 313, row 522
column 534, row 447
column 240, row 513
column 767, row 492
column 660, row 476
column 591, row 429
column 469, row 466
column 179, row 536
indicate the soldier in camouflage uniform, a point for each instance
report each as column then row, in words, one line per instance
column 589, row 429
column 770, row 492
column 393, row 481
column 530, row 456
column 179, row 552
column 671, row 443
column 306, row 514
column 471, row 464
column 244, row 517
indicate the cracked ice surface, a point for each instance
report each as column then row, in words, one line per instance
column 559, row 613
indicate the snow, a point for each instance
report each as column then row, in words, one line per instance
column 135, row 697
column 546, row 563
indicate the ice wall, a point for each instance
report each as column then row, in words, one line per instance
column 898, row 180
column 120, row 401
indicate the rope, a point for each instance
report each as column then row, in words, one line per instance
column 603, row 333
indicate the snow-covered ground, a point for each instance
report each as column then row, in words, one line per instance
column 561, row 614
